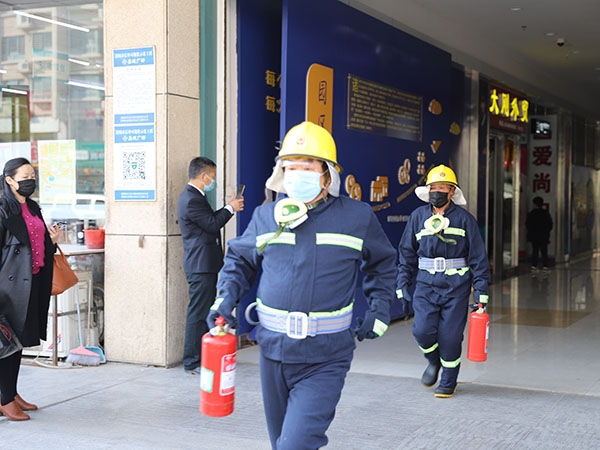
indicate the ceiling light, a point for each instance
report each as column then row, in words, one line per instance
column 551, row 33
column 79, row 61
column 515, row 8
column 14, row 91
column 85, row 85
column 52, row 21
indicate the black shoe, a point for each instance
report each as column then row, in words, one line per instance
column 430, row 376
column 444, row 392
column 195, row 371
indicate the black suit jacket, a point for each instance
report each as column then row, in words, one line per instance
column 201, row 232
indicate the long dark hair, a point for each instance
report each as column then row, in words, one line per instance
column 8, row 200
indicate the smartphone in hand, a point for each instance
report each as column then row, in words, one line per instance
column 240, row 191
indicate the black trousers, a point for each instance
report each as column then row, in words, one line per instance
column 539, row 247
column 9, row 367
column 9, row 373
column 202, row 291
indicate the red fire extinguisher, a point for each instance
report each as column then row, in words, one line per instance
column 479, row 329
column 217, row 374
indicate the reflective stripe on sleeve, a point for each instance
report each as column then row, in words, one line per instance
column 379, row 327
column 216, row 304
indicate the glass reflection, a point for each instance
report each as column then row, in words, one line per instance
column 52, row 105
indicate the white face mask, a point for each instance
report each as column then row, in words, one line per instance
column 302, row 185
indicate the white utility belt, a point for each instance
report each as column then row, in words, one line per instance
column 299, row 325
column 440, row 264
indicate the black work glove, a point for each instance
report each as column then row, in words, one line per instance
column 222, row 307
column 375, row 322
column 475, row 306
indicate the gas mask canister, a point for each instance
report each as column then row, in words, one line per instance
column 288, row 213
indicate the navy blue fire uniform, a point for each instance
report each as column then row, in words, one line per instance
column 309, row 277
column 452, row 261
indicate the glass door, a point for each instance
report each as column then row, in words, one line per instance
column 503, row 221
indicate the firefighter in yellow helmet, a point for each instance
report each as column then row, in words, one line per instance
column 441, row 256
column 308, row 246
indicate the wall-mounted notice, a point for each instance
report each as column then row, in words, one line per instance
column 56, row 161
column 134, row 120
column 383, row 110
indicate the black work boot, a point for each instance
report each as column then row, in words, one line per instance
column 430, row 376
column 447, row 386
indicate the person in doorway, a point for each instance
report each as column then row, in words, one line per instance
column 203, row 253
column 309, row 246
column 539, row 224
column 26, row 267
column 442, row 254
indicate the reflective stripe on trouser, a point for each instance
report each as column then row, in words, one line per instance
column 300, row 400
column 440, row 321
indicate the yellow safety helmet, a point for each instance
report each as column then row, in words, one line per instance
column 441, row 174
column 311, row 140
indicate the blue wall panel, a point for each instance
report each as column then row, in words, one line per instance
column 338, row 36
column 352, row 43
column 335, row 35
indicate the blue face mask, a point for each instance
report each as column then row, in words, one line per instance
column 302, row 185
column 211, row 186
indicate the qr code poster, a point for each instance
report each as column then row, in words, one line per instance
column 135, row 178
column 134, row 166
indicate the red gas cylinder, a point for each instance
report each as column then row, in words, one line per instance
column 217, row 374
column 479, row 329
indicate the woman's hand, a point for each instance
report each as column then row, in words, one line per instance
column 55, row 232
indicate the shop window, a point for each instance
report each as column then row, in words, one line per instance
column 13, row 47
column 52, row 105
column 42, row 43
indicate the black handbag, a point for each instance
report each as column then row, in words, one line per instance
column 9, row 342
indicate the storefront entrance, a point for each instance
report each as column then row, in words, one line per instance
column 504, row 198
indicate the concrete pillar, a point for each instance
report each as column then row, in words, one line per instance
column 145, row 287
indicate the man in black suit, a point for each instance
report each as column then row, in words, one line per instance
column 203, row 253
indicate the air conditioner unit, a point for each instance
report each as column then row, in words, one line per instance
column 23, row 21
column 24, row 66
column 99, row 17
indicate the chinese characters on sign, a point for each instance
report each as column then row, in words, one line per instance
column 319, row 96
column 508, row 110
column 272, row 102
column 383, row 110
column 542, row 174
column 542, row 156
column 134, row 124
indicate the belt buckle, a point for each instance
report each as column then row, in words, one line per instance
column 296, row 325
column 439, row 264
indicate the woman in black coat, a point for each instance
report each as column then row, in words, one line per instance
column 26, row 264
